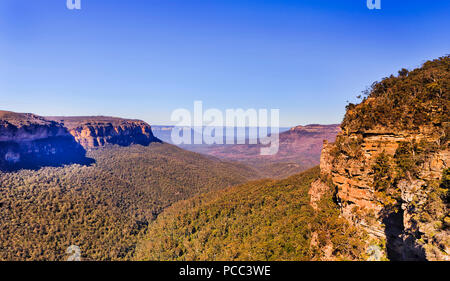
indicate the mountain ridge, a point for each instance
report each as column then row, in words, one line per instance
column 97, row 131
column 31, row 141
column 299, row 150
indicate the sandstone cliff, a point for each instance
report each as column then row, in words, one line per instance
column 97, row 131
column 31, row 141
column 389, row 165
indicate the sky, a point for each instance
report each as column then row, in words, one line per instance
column 143, row 59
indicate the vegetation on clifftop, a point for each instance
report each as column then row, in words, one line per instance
column 411, row 99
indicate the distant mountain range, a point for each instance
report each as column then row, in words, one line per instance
column 299, row 149
column 31, row 141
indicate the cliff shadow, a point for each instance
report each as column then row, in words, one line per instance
column 129, row 140
column 398, row 247
column 48, row 152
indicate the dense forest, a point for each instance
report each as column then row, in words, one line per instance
column 260, row 220
column 105, row 207
column 408, row 100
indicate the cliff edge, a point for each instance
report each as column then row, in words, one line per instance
column 389, row 166
column 31, row 141
column 98, row 131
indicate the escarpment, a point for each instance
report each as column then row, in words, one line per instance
column 389, row 166
column 31, row 141
column 98, row 131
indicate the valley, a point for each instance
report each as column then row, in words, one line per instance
column 299, row 150
column 103, row 208
column 266, row 220
column 381, row 191
column 376, row 187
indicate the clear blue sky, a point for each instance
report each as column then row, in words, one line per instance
column 145, row 58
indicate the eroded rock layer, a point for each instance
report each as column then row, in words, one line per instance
column 31, row 141
column 395, row 214
column 389, row 166
column 99, row 131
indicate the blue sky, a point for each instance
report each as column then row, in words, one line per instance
column 145, row 58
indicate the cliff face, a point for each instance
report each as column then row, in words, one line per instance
column 390, row 174
column 93, row 132
column 31, row 141
column 396, row 215
column 27, row 127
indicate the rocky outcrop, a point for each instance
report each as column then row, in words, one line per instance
column 31, row 141
column 317, row 190
column 313, row 129
column 27, row 127
column 397, row 216
column 350, row 165
column 99, row 131
column 389, row 166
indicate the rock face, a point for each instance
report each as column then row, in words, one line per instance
column 389, row 166
column 31, row 141
column 317, row 190
column 405, row 235
column 99, row 131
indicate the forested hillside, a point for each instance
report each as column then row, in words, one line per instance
column 105, row 207
column 260, row 220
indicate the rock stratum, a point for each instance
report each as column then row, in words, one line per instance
column 389, row 166
column 99, row 131
column 31, row 141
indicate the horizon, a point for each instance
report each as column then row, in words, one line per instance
column 159, row 125
column 142, row 61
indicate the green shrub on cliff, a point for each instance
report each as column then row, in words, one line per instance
column 382, row 176
column 445, row 196
column 445, row 185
